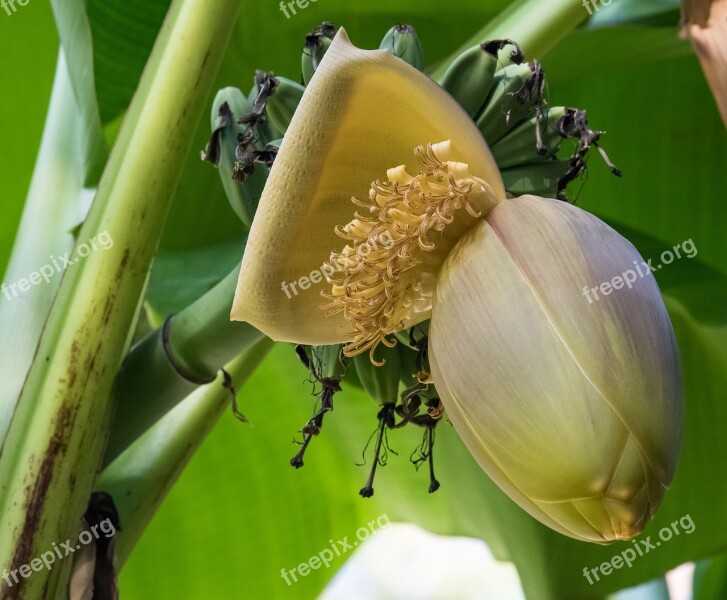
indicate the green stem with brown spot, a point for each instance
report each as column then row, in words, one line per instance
column 55, row 440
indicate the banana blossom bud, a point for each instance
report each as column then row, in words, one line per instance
column 572, row 407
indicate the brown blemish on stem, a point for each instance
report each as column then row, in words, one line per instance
column 35, row 499
column 36, row 491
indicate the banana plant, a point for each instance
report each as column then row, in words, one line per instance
column 190, row 206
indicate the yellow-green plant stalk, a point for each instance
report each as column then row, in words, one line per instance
column 572, row 407
column 140, row 477
column 51, row 453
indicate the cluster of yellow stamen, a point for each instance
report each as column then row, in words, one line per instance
column 384, row 278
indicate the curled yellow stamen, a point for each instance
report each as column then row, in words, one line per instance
column 383, row 278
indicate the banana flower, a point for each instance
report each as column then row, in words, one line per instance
column 571, row 405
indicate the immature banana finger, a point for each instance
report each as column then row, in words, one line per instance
column 333, row 365
column 283, row 102
column 513, row 56
column 317, row 43
column 324, row 362
column 381, row 383
column 516, row 89
column 229, row 105
column 228, row 102
column 535, row 139
column 410, row 365
column 402, row 41
column 415, row 336
column 265, row 86
column 540, row 179
column 469, row 77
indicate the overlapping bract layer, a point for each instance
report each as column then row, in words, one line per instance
column 573, row 408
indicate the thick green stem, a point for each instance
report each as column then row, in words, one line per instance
column 537, row 25
column 157, row 376
column 141, row 477
column 55, row 204
column 56, row 437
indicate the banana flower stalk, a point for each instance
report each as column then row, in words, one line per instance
column 571, row 405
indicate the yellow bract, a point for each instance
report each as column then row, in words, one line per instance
column 363, row 113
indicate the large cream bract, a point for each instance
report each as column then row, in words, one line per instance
column 573, row 408
column 363, row 113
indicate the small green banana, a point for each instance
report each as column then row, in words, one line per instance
column 331, row 362
column 229, row 105
column 409, row 380
column 409, row 365
column 414, row 360
column 469, row 78
column 264, row 130
column 327, row 367
column 402, row 41
column 317, row 43
column 513, row 56
column 516, row 90
column 381, row 383
column 283, row 102
column 534, row 140
column 413, row 336
column 324, row 362
column 539, row 179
